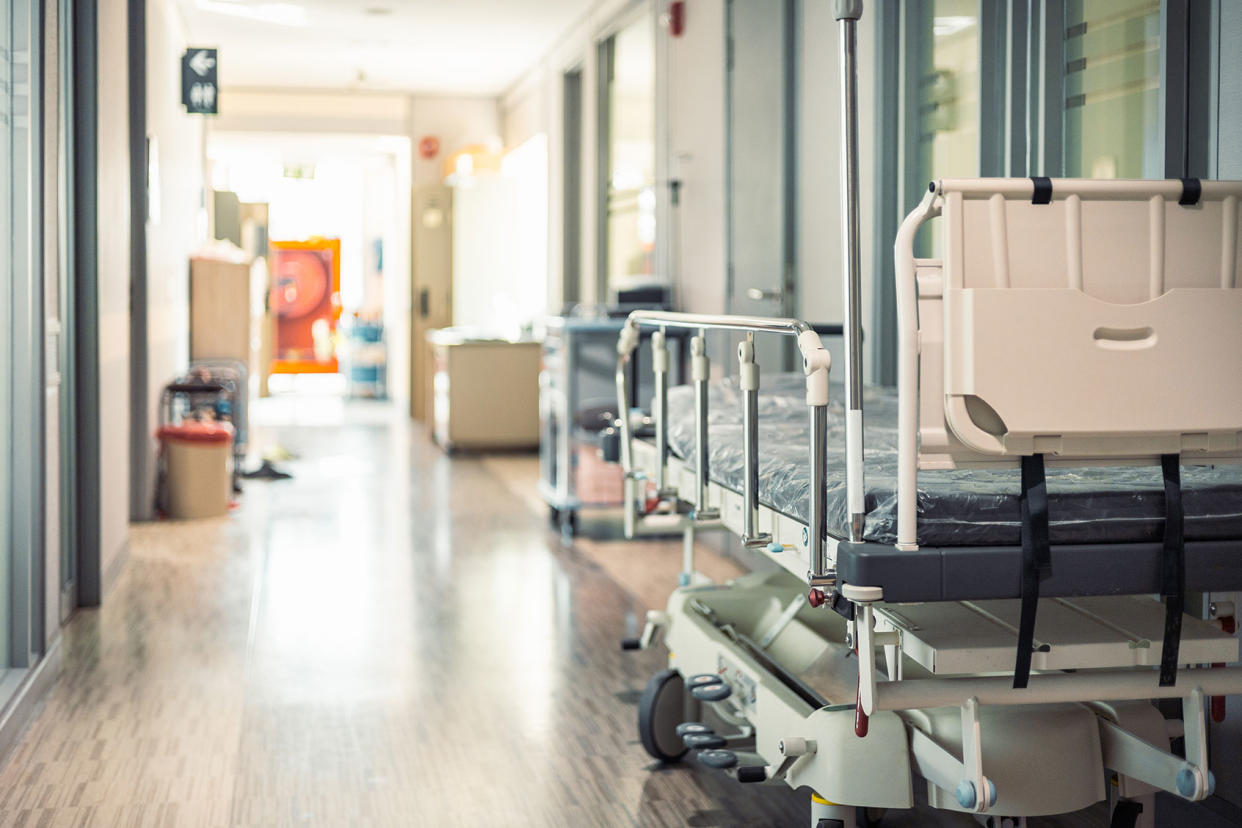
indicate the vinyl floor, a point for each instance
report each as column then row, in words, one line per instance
column 391, row 638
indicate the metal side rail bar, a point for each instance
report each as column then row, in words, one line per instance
column 816, row 363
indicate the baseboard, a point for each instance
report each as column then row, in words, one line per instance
column 27, row 701
column 115, row 566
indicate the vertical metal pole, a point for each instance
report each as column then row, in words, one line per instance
column 623, row 413
column 687, row 556
column 627, row 446
column 848, row 12
column 701, row 372
column 659, row 362
column 748, row 371
column 567, row 403
column 817, row 525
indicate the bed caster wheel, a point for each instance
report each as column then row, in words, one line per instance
column 660, row 710
column 861, row 819
column 686, row 728
column 1126, row 814
column 712, row 692
column 869, row 817
column 718, row 759
column 703, row 680
column 703, row 741
column 628, row 644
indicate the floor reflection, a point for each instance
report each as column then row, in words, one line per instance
column 389, row 638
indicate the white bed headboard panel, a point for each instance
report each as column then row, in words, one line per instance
column 1104, row 324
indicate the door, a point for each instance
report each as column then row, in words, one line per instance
column 760, row 115
column 433, row 287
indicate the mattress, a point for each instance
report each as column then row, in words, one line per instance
column 963, row 507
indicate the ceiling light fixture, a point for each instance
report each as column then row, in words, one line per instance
column 280, row 14
column 951, row 25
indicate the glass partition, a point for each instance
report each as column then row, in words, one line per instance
column 629, row 189
column 8, row 194
column 15, row 218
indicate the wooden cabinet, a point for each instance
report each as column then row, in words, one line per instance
column 219, row 310
column 485, row 392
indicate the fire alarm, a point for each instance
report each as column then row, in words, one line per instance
column 676, row 17
column 428, row 147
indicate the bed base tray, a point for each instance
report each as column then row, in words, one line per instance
column 974, row 573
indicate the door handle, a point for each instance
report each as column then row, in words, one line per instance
column 424, row 303
column 759, row 295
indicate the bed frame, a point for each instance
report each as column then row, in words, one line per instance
column 1068, row 322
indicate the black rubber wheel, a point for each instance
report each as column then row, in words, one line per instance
column 660, row 710
column 870, row 817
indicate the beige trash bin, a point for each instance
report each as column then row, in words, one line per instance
column 197, row 475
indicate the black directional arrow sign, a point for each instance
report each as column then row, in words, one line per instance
column 200, row 93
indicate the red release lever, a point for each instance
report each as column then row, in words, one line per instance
column 816, row 597
column 862, row 722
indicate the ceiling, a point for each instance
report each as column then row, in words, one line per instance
column 448, row 47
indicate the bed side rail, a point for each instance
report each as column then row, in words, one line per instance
column 816, row 363
column 1094, row 322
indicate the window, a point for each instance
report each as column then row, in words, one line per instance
column 1073, row 88
column 629, row 200
column 1112, row 89
column 944, row 122
column 948, row 130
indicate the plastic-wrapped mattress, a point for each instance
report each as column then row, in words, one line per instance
column 965, row 507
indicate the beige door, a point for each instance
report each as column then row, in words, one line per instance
column 432, row 294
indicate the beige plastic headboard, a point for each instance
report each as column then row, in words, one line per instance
column 1104, row 325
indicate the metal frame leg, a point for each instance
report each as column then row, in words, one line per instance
column 660, row 365
column 748, row 371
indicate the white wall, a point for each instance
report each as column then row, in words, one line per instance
column 536, row 104
column 696, row 155
column 113, row 263
column 176, row 226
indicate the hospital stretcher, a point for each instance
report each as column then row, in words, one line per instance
column 1011, row 658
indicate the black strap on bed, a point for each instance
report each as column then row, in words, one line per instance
column 1042, row 193
column 1173, row 575
column 1192, row 191
column 1036, row 559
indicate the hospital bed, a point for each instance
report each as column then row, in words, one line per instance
column 968, row 566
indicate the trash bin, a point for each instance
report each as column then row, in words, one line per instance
column 196, row 458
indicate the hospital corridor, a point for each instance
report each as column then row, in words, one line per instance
column 646, row 413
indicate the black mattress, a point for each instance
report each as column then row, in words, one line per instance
column 956, row 508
